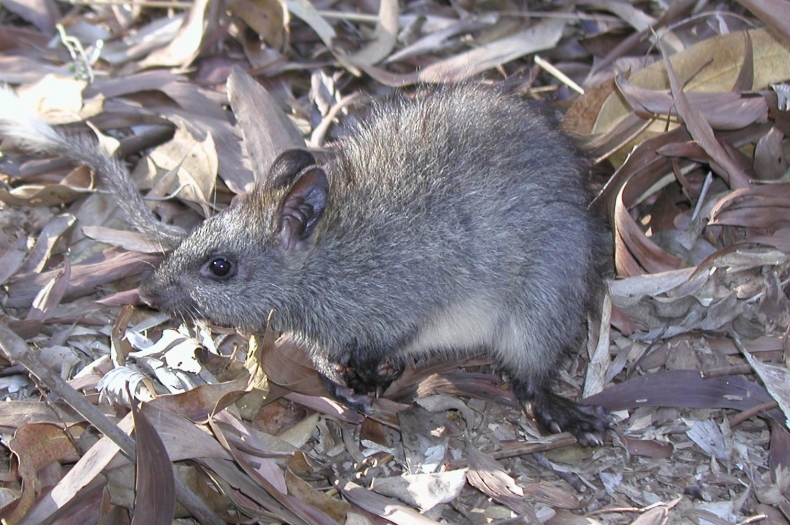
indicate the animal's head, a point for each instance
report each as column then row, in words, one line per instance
column 245, row 261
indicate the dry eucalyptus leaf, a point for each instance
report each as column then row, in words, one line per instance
column 267, row 131
column 36, row 446
column 380, row 506
column 543, row 35
column 490, row 478
column 12, row 259
column 85, row 471
column 155, row 495
column 711, row 65
column 308, row 13
column 184, row 47
column 384, row 36
column 147, row 38
column 131, row 241
column 424, row 491
column 195, row 162
column 776, row 380
column 57, row 100
column 709, row 437
column 268, row 18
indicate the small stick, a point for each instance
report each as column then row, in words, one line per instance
column 559, row 75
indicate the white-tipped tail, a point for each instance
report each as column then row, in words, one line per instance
column 23, row 128
column 27, row 131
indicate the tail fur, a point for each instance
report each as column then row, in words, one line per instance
column 30, row 133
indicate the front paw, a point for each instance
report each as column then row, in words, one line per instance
column 347, row 396
column 374, row 376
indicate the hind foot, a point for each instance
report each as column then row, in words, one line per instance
column 554, row 413
column 587, row 422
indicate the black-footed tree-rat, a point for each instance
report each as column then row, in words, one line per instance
column 444, row 223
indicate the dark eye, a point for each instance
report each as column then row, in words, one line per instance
column 220, row 267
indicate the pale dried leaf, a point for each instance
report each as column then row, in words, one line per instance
column 776, row 380
column 383, row 36
column 543, row 35
column 424, row 491
column 380, row 506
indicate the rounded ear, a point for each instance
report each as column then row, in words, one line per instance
column 287, row 166
column 301, row 209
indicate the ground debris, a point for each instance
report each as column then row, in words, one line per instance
column 684, row 115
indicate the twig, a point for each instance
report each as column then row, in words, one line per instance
column 748, row 414
column 559, row 75
column 569, row 477
column 550, row 443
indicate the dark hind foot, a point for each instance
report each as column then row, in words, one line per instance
column 558, row 414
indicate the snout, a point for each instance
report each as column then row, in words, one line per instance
column 148, row 294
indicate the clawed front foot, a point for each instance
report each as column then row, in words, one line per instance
column 355, row 383
column 374, row 376
column 346, row 395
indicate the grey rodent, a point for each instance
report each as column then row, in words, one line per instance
column 448, row 222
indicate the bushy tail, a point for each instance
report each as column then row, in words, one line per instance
column 30, row 133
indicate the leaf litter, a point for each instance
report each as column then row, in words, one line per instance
column 684, row 112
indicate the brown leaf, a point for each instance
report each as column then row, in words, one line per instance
column 39, row 195
column 384, row 36
column 155, row 496
column 85, row 278
column 490, row 478
column 267, row 131
column 268, row 18
column 774, row 13
column 45, row 244
column 12, row 259
column 726, row 110
column 543, row 35
column 683, row 388
column 43, row 14
column 85, row 471
column 712, row 65
column 333, row 507
column 183, row 49
column 648, row 447
column 199, row 403
column 264, row 472
column 50, row 295
column 701, row 131
column 36, row 446
column 756, row 206
column 289, row 365
column 769, row 160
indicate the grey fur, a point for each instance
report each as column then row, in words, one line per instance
column 448, row 223
column 454, row 221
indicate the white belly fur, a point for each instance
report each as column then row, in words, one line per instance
column 469, row 325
